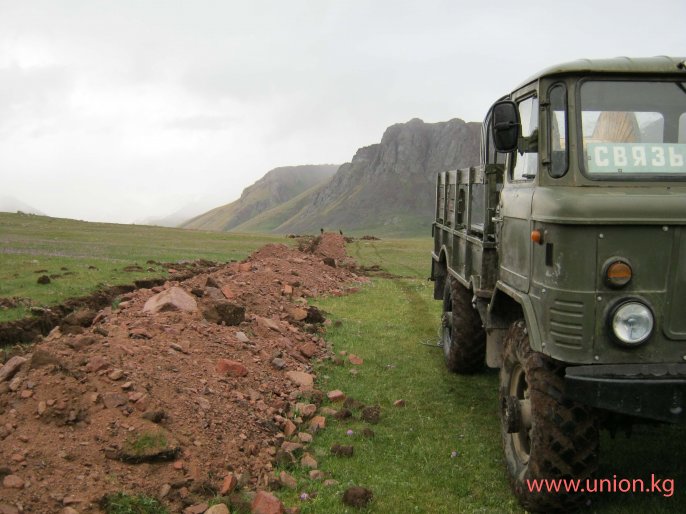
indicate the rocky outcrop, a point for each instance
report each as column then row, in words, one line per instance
column 277, row 187
column 389, row 187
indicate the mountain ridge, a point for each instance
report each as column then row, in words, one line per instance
column 387, row 188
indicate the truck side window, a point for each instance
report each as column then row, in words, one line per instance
column 558, row 131
column 526, row 162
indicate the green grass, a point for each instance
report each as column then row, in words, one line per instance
column 408, row 465
column 146, row 442
column 121, row 503
column 91, row 255
column 392, row 324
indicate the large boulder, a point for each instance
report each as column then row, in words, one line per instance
column 172, row 299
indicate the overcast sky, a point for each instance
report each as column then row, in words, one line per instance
column 119, row 110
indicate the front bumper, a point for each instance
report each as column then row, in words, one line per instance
column 654, row 391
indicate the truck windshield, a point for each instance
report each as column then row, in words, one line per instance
column 634, row 128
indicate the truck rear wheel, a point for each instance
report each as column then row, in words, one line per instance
column 545, row 436
column 462, row 334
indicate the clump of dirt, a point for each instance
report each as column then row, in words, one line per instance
column 154, row 398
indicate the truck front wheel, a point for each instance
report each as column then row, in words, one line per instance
column 462, row 334
column 546, row 437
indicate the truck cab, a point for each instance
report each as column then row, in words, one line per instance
column 579, row 263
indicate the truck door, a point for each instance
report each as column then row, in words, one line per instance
column 514, row 244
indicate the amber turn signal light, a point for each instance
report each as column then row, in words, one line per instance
column 536, row 236
column 618, row 274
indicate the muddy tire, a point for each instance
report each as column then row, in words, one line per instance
column 462, row 335
column 545, row 436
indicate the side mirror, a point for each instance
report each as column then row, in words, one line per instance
column 506, row 126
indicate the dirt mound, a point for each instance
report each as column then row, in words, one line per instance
column 185, row 391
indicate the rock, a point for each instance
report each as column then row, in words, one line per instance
column 266, row 503
column 115, row 374
column 9, row 369
column 318, row 422
column 314, row 315
column 211, row 282
column 342, row 450
column 43, row 279
column 278, row 363
column 357, row 497
column 399, row 403
column 268, row 323
column 224, row 312
column 229, row 483
column 354, row 359
column 82, row 342
column 173, row 299
column 245, row 266
column 81, row 318
column 330, row 483
column 197, row 508
column 15, row 384
column 41, row 358
column 289, row 428
column 371, row 414
column 290, row 447
column 220, row 508
column 304, row 437
column 296, row 313
column 6, row 508
column 300, row 378
column 114, row 400
column 308, row 461
column 96, row 363
column 317, row 474
column 164, row 491
column 336, row 395
column 214, row 293
column 227, row 292
column 309, row 350
column 231, row 368
column 287, row 480
column 329, row 261
column 13, row 482
column 178, row 348
column 307, row 410
column 242, row 337
column 156, row 416
column 69, row 510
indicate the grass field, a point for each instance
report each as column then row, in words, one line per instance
column 89, row 255
column 440, row 453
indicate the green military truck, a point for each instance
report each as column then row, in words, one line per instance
column 561, row 260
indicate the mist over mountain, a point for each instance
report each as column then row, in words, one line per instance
column 12, row 204
column 387, row 188
column 277, row 187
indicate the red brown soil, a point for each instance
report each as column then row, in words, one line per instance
column 64, row 435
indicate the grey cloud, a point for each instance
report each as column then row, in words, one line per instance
column 30, row 98
column 201, row 123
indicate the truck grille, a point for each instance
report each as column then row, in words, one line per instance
column 566, row 323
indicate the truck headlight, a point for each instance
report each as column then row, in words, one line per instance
column 632, row 323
